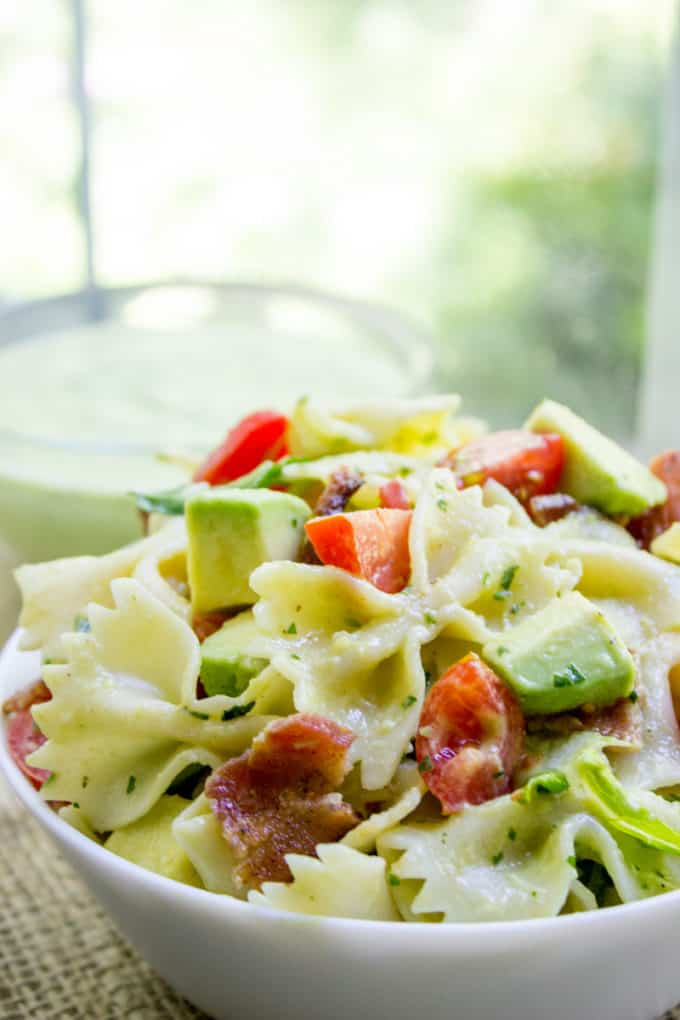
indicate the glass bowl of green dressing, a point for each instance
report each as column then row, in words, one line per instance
column 118, row 390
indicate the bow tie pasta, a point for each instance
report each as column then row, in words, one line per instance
column 381, row 665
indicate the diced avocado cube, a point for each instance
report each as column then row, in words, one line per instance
column 230, row 533
column 667, row 545
column 150, row 843
column 225, row 667
column 566, row 655
column 597, row 471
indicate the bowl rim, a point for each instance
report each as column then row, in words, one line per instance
column 170, row 890
column 405, row 341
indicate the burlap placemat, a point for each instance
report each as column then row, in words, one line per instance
column 60, row 957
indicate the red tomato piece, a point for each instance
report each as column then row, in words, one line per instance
column 471, row 736
column 527, row 463
column 654, row 522
column 393, row 495
column 259, row 436
column 23, row 738
column 372, row 544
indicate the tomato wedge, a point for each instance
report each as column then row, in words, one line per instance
column 372, row 544
column 471, row 736
column 527, row 463
column 393, row 495
column 259, row 436
column 23, row 736
column 654, row 522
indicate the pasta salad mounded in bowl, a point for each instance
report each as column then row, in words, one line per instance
column 375, row 662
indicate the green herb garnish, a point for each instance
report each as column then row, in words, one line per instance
column 497, row 858
column 198, row 715
column 131, row 783
column 408, row 701
column 425, row 765
column 292, row 629
column 507, row 577
column 237, row 711
column 393, row 879
column 571, row 676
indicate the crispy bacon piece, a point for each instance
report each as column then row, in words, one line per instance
column 622, row 720
column 23, row 736
column 27, row 697
column 654, row 522
column 278, row 797
column 552, row 506
column 342, row 485
column 205, row 624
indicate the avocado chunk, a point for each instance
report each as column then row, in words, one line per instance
column 150, row 843
column 230, row 533
column 667, row 545
column 566, row 655
column 597, row 471
column 225, row 667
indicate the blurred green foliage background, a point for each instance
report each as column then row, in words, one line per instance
column 487, row 167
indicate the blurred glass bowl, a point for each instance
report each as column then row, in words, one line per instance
column 106, row 391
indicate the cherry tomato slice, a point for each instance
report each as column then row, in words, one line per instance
column 393, row 495
column 654, row 522
column 471, row 736
column 372, row 544
column 24, row 737
column 527, row 463
column 259, row 436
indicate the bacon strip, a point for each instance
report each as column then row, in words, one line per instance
column 278, row 797
column 622, row 720
column 27, row 697
column 342, row 485
column 552, row 506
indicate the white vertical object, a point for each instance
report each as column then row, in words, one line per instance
column 660, row 396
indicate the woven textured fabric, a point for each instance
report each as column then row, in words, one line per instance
column 60, row 957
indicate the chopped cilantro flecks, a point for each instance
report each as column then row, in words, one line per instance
column 405, row 471
column 81, row 624
column 497, row 858
column 295, row 656
column 50, row 779
column 84, row 781
column 352, row 623
column 131, row 783
column 507, row 577
column 237, row 711
column 292, row 629
column 571, row 676
column 294, row 522
column 442, row 504
column 408, row 701
column 516, row 607
column 425, row 765
column 198, row 715
column 393, row 879
column 502, row 650
column 512, row 835
column 76, row 804
column 633, row 696
column 430, row 618
column 571, row 861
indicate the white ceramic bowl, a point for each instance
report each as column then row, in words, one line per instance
column 236, row 960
